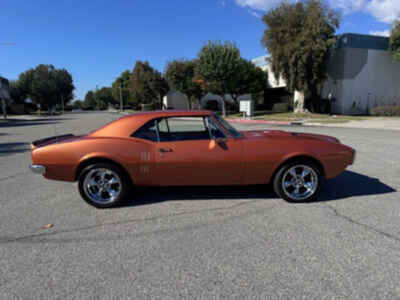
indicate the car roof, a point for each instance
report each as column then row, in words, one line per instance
column 125, row 126
column 170, row 112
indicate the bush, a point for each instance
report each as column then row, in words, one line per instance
column 147, row 107
column 386, row 111
column 281, row 107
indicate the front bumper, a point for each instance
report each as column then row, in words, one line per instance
column 38, row 169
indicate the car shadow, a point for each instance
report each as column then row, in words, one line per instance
column 12, row 148
column 348, row 184
column 351, row 184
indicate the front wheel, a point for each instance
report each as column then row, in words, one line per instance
column 102, row 185
column 298, row 181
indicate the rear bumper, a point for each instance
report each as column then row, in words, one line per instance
column 38, row 169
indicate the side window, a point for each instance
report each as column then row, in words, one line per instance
column 183, row 129
column 215, row 131
column 163, row 126
column 147, row 132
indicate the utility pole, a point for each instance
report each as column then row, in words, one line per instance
column 121, row 103
column 97, row 99
column 62, row 103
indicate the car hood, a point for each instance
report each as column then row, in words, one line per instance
column 285, row 135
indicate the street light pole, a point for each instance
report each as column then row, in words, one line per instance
column 62, row 104
column 97, row 99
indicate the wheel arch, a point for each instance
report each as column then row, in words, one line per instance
column 98, row 159
column 296, row 158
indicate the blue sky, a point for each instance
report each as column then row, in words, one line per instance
column 97, row 40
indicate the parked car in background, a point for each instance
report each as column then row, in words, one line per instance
column 188, row 148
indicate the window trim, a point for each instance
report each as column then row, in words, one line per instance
column 226, row 130
column 210, row 119
column 157, row 132
column 155, row 121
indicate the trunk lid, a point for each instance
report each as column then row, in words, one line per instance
column 53, row 140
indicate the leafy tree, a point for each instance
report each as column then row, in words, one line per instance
column 24, row 82
column 105, row 98
column 65, row 85
column 46, row 85
column 299, row 37
column 90, row 102
column 159, row 86
column 77, row 104
column 141, row 83
column 249, row 80
column 394, row 43
column 16, row 93
column 123, row 82
column 217, row 67
column 180, row 75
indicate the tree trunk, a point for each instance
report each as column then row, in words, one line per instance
column 189, row 99
column 4, row 108
column 223, row 106
column 299, row 99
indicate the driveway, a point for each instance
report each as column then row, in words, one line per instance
column 204, row 242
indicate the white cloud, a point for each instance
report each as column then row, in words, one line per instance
column 255, row 14
column 384, row 10
column 348, row 6
column 258, row 4
column 380, row 33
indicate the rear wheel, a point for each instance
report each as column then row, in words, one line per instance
column 103, row 185
column 298, row 181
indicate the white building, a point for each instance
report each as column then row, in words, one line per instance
column 175, row 100
column 361, row 75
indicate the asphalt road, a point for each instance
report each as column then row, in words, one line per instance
column 200, row 243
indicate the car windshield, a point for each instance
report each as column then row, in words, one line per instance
column 228, row 126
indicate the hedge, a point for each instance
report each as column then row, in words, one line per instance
column 281, row 107
column 386, row 111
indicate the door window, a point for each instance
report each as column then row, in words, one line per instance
column 183, row 129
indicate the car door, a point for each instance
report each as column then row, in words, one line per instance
column 187, row 155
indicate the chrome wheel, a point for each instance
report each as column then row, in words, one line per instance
column 300, row 182
column 102, row 186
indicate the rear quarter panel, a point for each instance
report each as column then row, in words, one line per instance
column 264, row 156
column 62, row 160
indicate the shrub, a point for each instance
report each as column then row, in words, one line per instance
column 281, row 107
column 386, row 111
column 147, row 107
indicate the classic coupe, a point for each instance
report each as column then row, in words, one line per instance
column 188, row 148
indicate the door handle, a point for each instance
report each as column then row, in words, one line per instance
column 165, row 150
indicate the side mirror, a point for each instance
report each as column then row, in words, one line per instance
column 220, row 141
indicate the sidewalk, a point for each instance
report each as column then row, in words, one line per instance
column 377, row 123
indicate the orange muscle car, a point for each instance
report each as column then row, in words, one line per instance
column 175, row 148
